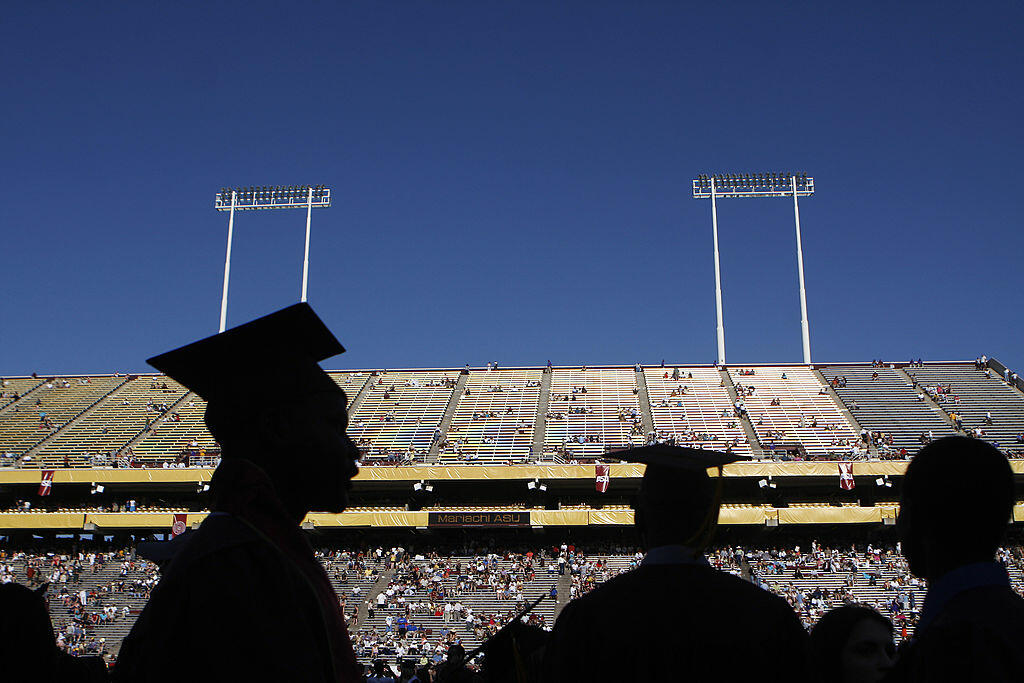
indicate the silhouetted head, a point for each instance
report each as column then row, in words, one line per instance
column 28, row 649
column 678, row 502
column 956, row 503
column 269, row 402
column 852, row 644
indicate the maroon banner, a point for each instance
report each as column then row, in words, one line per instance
column 846, row 476
column 46, row 483
column 603, row 477
column 179, row 525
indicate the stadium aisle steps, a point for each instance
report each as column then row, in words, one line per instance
column 61, row 401
column 748, row 428
column 23, row 386
column 702, row 416
column 978, row 394
column 446, row 419
column 113, row 422
column 888, row 404
column 801, row 414
column 841, row 407
column 645, row 401
column 541, row 422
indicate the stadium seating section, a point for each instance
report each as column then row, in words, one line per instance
column 493, row 416
column 697, row 411
column 375, row 587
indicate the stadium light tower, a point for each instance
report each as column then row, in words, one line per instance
column 749, row 185
column 307, row 197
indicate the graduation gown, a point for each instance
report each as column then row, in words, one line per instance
column 978, row 636
column 673, row 622
column 244, row 598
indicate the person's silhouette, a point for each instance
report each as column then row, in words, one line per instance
column 28, row 648
column 243, row 597
column 675, row 616
column 852, row 644
column 955, row 506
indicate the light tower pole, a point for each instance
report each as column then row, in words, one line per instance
column 306, row 197
column 227, row 264
column 804, row 328
column 718, row 278
column 751, row 185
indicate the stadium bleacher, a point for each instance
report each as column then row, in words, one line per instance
column 786, row 405
column 495, row 418
column 975, row 393
column 400, row 413
column 50, row 408
column 695, row 408
column 398, row 417
column 882, row 399
column 592, row 411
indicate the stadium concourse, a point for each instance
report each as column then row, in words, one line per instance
column 481, row 489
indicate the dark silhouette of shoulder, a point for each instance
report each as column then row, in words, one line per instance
column 222, row 583
column 977, row 637
column 658, row 620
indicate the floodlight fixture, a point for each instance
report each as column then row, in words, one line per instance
column 307, row 197
column 753, row 185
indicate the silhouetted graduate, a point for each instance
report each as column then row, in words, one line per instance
column 244, row 598
column 28, row 648
column 675, row 617
column 955, row 506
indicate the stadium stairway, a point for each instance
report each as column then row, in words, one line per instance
column 24, row 385
column 888, row 404
column 564, row 587
column 157, row 423
column 541, row 423
column 979, row 394
column 646, row 416
column 41, row 444
column 449, row 414
column 841, row 407
column 756, row 451
column 383, row 579
column 361, row 395
column 929, row 399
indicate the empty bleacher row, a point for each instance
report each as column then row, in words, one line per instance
column 494, row 418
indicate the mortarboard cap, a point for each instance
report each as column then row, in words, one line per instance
column 275, row 355
column 677, row 484
column 676, row 457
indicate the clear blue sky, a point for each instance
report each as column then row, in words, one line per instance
column 511, row 180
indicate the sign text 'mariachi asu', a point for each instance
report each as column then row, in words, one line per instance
column 478, row 519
